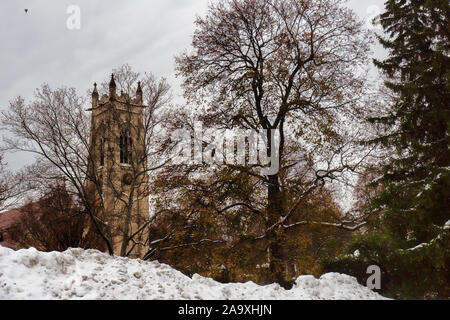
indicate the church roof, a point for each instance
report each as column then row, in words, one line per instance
column 9, row 220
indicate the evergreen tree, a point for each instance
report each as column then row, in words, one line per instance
column 409, row 238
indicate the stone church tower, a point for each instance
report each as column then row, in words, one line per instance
column 118, row 167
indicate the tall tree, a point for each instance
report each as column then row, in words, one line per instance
column 409, row 239
column 55, row 127
column 295, row 67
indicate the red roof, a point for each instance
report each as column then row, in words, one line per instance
column 8, row 220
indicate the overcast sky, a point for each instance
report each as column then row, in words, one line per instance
column 38, row 47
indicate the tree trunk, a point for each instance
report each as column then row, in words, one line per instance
column 275, row 237
column 126, row 231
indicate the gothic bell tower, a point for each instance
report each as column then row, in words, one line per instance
column 118, row 167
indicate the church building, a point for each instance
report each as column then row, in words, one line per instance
column 118, row 173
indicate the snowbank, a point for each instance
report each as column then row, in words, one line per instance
column 90, row 274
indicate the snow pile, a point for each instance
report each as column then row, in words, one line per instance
column 90, row 274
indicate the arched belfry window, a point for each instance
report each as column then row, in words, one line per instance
column 126, row 147
column 102, row 152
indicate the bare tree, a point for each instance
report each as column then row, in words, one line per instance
column 293, row 66
column 56, row 127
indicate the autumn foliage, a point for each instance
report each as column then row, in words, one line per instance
column 55, row 223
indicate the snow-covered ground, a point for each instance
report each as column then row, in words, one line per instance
column 90, row 274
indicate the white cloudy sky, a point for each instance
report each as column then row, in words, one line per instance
column 37, row 47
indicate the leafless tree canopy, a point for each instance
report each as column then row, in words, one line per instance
column 55, row 126
column 294, row 66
